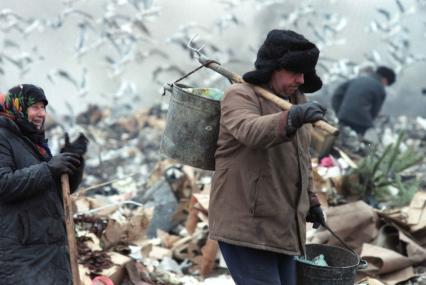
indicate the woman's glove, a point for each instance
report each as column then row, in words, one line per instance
column 63, row 163
column 298, row 115
column 316, row 216
column 78, row 146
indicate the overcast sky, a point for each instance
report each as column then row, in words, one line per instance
column 238, row 39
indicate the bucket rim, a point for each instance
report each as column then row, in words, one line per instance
column 180, row 87
column 359, row 259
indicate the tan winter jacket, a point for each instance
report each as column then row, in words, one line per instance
column 259, row 195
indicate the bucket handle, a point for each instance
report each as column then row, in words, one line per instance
column 168, row 86
column 362, row 263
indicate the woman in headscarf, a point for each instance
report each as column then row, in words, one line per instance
column 33, row 244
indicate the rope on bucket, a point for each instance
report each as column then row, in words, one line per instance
column 205, row 64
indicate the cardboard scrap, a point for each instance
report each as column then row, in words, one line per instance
column 138, row 273
column 117, row 272
column 369, row 281
column 158, row 252
column 420, row 236
column 208, row 262
column 167, row 240
column 381, row 260
column 394, row 238
column 192, row 219
column 398, row 276
column 129, row 230
column 388, row 237
column 203, row 199
column 417, row 211
column 391, row 266
column 84, row 204
column 198, row 210
column 396, row 216
column 415, row 252
column 355, row 223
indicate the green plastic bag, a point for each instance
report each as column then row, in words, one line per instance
column 318, row 260
column 211, row 93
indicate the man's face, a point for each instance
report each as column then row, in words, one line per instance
column 36, row 114
column 285, row 82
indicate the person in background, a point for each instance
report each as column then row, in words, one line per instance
column 358, row 101
column 33, row 240
column 262, row 189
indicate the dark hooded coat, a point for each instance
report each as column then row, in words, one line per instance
column 33, row 244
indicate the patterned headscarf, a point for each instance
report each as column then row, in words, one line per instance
column 15, row 106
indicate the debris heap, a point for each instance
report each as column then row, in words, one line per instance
column 143, row 219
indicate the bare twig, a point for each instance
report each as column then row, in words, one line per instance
column 83, row 191
column 91, row 211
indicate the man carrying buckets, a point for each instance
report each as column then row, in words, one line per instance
column 262, row 187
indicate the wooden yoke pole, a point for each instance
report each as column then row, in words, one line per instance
column 69, row 222
column 264, row 93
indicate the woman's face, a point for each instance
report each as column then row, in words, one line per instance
column 36, row 114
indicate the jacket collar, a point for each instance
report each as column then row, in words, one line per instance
column 9, row 124
column 6, row 123
column 377, row 77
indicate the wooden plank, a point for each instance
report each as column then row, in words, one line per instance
column 69, row 223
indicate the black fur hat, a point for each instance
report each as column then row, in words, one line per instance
column 387, row 73
column 289, row 50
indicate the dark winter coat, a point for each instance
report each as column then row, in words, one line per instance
column 358, row 101
column 260, row 189
column 33, row 245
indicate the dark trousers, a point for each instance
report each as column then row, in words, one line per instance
column 250, row 266
column 360, row 130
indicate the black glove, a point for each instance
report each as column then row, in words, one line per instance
column 78, row 146
column 63, row 163
column 298, row 115
column 316, row 216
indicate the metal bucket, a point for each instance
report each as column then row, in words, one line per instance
column 192, row 128
column 341, row 269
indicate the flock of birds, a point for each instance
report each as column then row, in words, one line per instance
column 121, row 36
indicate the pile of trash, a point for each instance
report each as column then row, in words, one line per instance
column 133, row 204
column 143, row 219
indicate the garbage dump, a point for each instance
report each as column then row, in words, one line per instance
column 142, row 218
